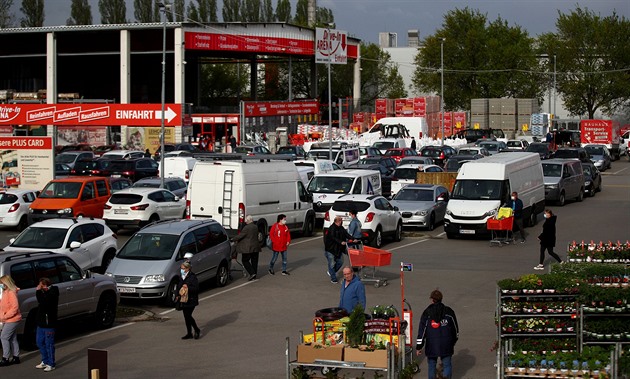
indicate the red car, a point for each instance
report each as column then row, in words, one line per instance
column 398, row 153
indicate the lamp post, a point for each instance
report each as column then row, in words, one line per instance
column 442, row 88
column 163, row 7
column 330, row 154
column 554, row 85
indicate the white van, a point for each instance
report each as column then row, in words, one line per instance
column 326, row 188
column 320, row 166
column 343, row 156
column 389, row 143
column 179, row 167
column 484, row 185
column 228, row 190
column 306, row 173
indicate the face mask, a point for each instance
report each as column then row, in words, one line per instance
column 513, row 197
column 182, row 271
column 283, row 221
column 546, row 215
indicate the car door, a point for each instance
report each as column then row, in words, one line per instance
column 80, row 255
column 175, row 209
column 161, row 207
column 440, row 206
column 386, row 212
column 93, row 242
column 206, row 258
column 78, row 292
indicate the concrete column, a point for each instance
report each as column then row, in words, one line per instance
column 356, row 88
column 180, row 77
column 125, row 76
column 51, row 78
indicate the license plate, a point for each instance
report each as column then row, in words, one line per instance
column 466, row 231
column 121, row 211
column 126, row 289
column 116, row 175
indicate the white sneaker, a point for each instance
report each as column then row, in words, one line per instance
column 539, row 267
column 41, row 365
column 49, row 368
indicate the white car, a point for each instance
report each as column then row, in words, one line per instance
column 406, row 174
column 123, row 154
column 14, row 205
column 379, row 218
column 142, row 206
column 89, row 242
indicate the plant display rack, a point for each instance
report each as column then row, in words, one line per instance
column 573, row 322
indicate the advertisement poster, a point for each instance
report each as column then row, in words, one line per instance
column 142, row 138
column 27, row 162
column 71, row 135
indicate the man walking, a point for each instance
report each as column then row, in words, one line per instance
column 438, row 331
column 48, row 300
column 352, row 291
column 248, row 246
column 517, row 210
column 334, row 246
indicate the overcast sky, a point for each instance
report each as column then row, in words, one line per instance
column 364, row 19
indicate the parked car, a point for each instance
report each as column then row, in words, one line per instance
column 91, row 167
column 147, row 266
column 600, row 156
column 406, row 174
column 296, row 151
column 474, row 150
column 573, row 153
column 456, row 161
column 388, row 162
column 422, row 205
column 172, row 148
column 134, row 169
column 379, row 218
column 398, row 153
column 416, row 160
column 493, row 147
column 70, row 158
column 176, row 185
column 61, row 170
column 14, row 206
column 439, row 154
column 369, row 151
column 517, row 144
column 252, row 150
column 117, row 184
column 89, row 242
column 386, row 176
column 564, row 179
column 123, row 154
column 81, row 293
column 73, row 147
column 543, row 149
column 100, row 150
column 141, row 206
column 592, row 179
column 473, row 135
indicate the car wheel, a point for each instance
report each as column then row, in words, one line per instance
column 171, row 294
column 431, row 225
column 309, row 226
column 22, row 224
column 450, row 235
column 107, row 259
column 377, row 240
column 591, row 190
column 580, row 196
column 398, row 233
column 222, row 274
column 533, row 218
column 561, row 199
column 105, row 314
column 262, row 233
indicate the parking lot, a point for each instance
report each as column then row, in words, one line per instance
column 244, row 325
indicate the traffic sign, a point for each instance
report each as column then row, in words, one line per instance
column 90, row 114
column 331, row 46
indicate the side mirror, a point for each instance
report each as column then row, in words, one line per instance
column 12, row 240
column 441, row 198
column 396, row 208
column 188, row 255
column 176, row 198
column 75, row 245
column 87, row 274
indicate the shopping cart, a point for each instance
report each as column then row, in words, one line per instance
column 365, row 256
column 501, row 231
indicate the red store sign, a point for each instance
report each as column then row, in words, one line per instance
column 25, row 143
column 281, row 108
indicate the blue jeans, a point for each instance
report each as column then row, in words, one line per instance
column 447, row 369
column 334, row 264
column 46, row 344
column 275, row 256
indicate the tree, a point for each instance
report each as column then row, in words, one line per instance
column 222, row 81
column 250, row 11
column 80, row 13
column 283, row 11
column 481, row 60
column 33, row 11
column 208, row 11
column 266, row 12
column 6, row 17
column 231, row 10
column 113, row 11
column 379, row 77
column 301, row 13
column 395, row 84
column 592, row 61
column 192, row 13
column 179, row 10
column 143, row 11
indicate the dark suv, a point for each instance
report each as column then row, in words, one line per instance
column 80, row 292
column 573, row 153
column 90, row 167
column 134, row 169
column 439, row 154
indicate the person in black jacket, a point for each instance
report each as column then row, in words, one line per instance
column 48, row 300
column 438, row 332
column 188, row 286
column 547, row 239
column 335, row 246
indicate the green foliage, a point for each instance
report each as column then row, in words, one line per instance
column 33, row 11
column 6, row 16
column 112, row 11
column 300, row 372
column 143, row 11
column 356, row 325
column 250, row 11
column 80, row 13
column 283, row 11
column 266, row 12
column 231, row 10
column 301, row 13
column 207, row 11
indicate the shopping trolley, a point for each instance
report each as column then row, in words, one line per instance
column 365, row 256
column 501, row 231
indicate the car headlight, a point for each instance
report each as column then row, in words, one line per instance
column 65, row 211
column 448, row 212
column 109, row 274
column 154, row 278
column 551, row 186
column 587, row 183
column 30, row 210
column 422, row 213
column 490, row 213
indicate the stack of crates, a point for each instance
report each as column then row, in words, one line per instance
column 526, row 107
column 479, row 112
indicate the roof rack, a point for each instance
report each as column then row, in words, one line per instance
column 242, row 157
column 26, row 255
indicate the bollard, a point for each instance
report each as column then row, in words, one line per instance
column 97, row 364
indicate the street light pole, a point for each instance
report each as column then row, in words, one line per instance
column 554, row 85
column 330, row 155
column 163, row 7
column 442, row 88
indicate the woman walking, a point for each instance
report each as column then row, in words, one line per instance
column 9, row 315
column 188, row 290
column 547, row 239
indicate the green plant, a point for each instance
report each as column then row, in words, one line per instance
column 410, row 369
column 509, row 284
column 355, row 327
column 300, row 373
column 623, row 364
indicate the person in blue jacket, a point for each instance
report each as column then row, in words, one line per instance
column 438, row 333
column 352, row 291
column 517, row 208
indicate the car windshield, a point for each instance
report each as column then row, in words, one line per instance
column 286, row 150
column 490, row 146
column 366, row 161
column 430, row 152
column 566, row 154
column 7, row 198
column 61, row 190
column 587, row 170
column 114, row 155
column 65, row 158
column 383, row 145
column 125, row 198
column 595, row 150
column 41, row 238
column 243, row 149
column 327, row 184
column 468, row 151
column 149, row 247
column 416, row 161
column 537, row 148
column 405, row 173
column 514, row 144
column 454, row 164
column 477, row 190
column 552, row 170
column 146, row 184
column 394, row 153
column 86, row 165
column 346, row 206
column 414, row 194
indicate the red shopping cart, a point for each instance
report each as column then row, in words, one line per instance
column 366, row 256
column 501, row 231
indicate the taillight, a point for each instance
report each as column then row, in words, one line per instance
column 326, row 216
column 187, row 175
column 188, row 209
column 369, row 217
column 140, row 207
column 241, row 213
column 73, row 171
column 442, row 156
column 96, row 172
column 128, row 173
column 107, row 206
column 14, row 208
column 115, row 235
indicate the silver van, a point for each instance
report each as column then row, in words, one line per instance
column 564, row 179
column 147, row 266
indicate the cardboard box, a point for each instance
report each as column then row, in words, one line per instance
column 376, row 358
column 308, row 353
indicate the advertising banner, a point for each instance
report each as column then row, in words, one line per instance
column 148, row 138
column 277, row 108
column 331, row 46
column 27, row 162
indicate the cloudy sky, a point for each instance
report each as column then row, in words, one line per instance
column 366, row 18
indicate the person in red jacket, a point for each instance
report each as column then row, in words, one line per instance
column 280, row 241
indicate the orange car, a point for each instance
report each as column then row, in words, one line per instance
column 71, row 197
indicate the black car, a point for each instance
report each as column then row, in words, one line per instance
column 473, row 135
column 542, row 148
column 592, row 179
column 454, row 162
column 91, row 167
column 439, row 154
column 573, row 153
column 388, row 162
column 133, row 169
column 297, row 152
